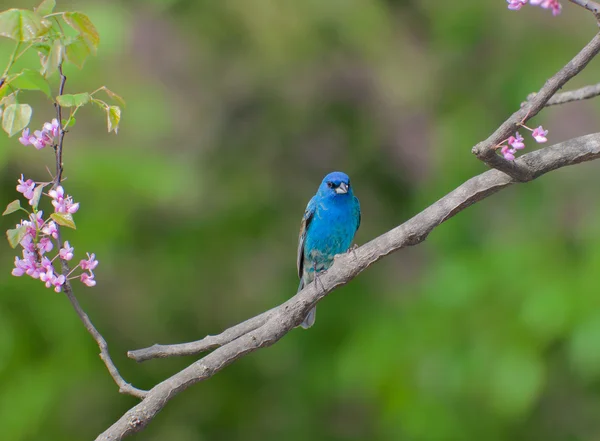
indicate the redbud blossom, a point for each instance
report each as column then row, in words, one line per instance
column 553, row 5
column 41, row 138
column 508, row 153
column 61, row 203
column 38, row 233
column 24, row 139
column 51, row 229
column 88, row 279
column 45, row 245
column 516, row 142
column 539, row 134
column 26, row 187
column 515, row 5
column 66, row 252
column 90, row 264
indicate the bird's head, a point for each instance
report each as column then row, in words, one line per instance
column 336, row 184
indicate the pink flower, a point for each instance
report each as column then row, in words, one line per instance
column 515, row 5
column 66, row 252
column 53, row 129
column 47, row 277
column 58, row 282
column 51, row 229
column 45, row 245
column 24, row 139
column 88, row 279
column 539, row 134
column 20, row 267
column 47, row 264
column 26, row 187
column 90, row 264
column 554, row 5
column 508, row 153
column 37, row 142
column 37, row 219
column 27, row 243
column 516, row 142
column 61, row 203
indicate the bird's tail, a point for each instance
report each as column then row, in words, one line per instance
column 312, row 314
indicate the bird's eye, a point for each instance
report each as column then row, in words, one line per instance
column 330, row 184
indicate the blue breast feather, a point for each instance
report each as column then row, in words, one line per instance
column 330, row 231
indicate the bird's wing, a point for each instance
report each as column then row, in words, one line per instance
column 308, row 215
column 357, row 209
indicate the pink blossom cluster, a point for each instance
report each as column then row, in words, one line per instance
column 37, row 241
column 41, row 138
column 515, row 143
column 553, row 5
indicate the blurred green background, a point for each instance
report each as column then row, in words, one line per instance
column 236, row 110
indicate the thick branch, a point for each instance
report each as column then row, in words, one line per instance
column 583, row 93
column 485, row 150
column 124, row 387
column 347, row 266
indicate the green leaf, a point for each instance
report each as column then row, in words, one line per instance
column 12, row 207
column 113, row 116
column 42, row 48
column 46, row 7
column 37, row 194
column 76, row 100
column 15, row 236
column 15, row 118
column 64, row 219
column 51, row 61
column 84, row 27
column 8, row 100
column 120, row 101
column 78, row 51
column 69, row 122
column 22, row 25
column 30, row 79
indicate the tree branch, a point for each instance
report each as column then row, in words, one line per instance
column 206, row 344
column 580, row 94
column 486, row 151
column 124, row 387
column 590, row 5
column 280, row 320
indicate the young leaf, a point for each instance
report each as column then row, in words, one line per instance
column 37, row 194
column 30, row 80
column 8, row 100
column 84, row 27
column 113, row 116
column 78, row 51
column 51, row 61
column 46, row 7
column 15, row 118
column 76, row 100
column 12, row 207
column 16, row 235
column 120, row 101
column 64, row 219
column 22, row 25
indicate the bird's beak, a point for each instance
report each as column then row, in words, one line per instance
column 342, row 189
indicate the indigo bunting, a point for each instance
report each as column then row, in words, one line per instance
column 328, row 226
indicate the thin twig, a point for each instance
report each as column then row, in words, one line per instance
column 580, row 94
column 208, row 343
column 124, row 387
column 285, row 317
column 486, row 151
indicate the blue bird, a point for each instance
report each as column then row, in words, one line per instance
column 328, row 226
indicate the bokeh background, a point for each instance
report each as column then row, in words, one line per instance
column 236, row 109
